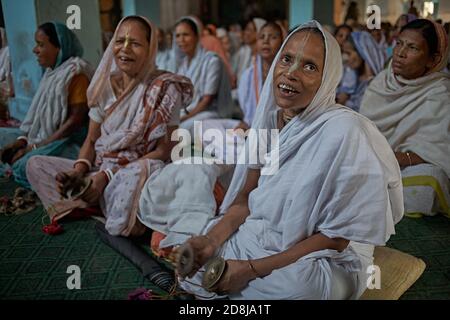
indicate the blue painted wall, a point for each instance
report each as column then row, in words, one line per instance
column 300, row 11
column 147, row 8
column 20, row 25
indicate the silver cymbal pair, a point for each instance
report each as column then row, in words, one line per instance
column 214, row 269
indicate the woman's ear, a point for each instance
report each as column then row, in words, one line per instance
column 433, row 61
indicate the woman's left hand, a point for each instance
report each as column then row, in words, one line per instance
column 237, row 276
column 93, row 194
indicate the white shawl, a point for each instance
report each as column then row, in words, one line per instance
column 49, row 108
column 338, row 176
column 414, row 115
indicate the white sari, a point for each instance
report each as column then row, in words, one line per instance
column 414, row 116
column 346, row 184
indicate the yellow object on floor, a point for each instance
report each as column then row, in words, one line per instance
column 399, row 271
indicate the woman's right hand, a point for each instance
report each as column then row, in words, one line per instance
column 9, row 151
column 204, row 249
column 65, row 179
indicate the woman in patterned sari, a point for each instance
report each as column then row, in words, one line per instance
column 134, row 110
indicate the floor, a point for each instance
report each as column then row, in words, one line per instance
column 34, row 265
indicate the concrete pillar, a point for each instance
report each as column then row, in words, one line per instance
column 148, row 8
column 20, row 24
column 301, row 11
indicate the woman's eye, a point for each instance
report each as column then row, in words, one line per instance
column 285, row 59
column 310, row 67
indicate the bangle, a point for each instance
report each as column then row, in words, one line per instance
column 252, row 267
column 109, row 174
column 409, row 158
column 23, row 138
column 85, row 162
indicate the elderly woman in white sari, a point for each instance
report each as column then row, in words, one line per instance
column 367, row 60
column 409, row 102
column 212, row 94
column 307, row 231
column 134, row 110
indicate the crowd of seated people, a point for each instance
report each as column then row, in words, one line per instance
column 363, row 123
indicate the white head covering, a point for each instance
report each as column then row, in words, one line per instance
column 221, row 32
column 259, row 23
column 321, row 108
column 108, row 66
column 369, row 50
column 323, row 101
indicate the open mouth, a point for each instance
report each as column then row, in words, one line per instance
column 125, row 59
column 287, row 90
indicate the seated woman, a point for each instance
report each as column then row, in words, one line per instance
column 212, row 96
column 269, row 42
column 409, row 102
column 367, row 59
column 243, row 58
column 55, row 120
column 308, row 235
column 349, row 78
column 134, row 109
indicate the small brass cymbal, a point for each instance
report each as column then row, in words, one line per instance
column 214, row 272
column 78, row 189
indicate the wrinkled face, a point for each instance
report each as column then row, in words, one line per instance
column 131, row 48
column 342, row 36
column 269, row 42
column 411, row 58
column 45, row 52
column 296, row 81
column 186, row 39
column 250, row 33
column 354, row 60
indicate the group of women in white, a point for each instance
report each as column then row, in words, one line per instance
column 360, row 145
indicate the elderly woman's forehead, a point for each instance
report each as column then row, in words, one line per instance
column 305, row 39
column 133, row 28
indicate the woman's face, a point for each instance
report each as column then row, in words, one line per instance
column 131, row 48
column 297, row 79
column 186, row 39
column 411, row 58
column 354, row 60
column 226, row 43
column 250, row 33
column 342, row 36
column 46, row 53
column 269, row 42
